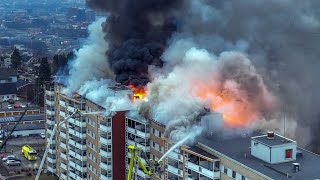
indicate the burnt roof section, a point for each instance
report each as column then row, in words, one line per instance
column 277, row 140
column 238, row 149
column 201, row 152
column 6, row 73
column 8, row 88
column 21, row 83
column 119, row 88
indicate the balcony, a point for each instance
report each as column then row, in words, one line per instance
column 50, row 93
column 49, row 131
column 50, row 122
column 63, row 155
column 77, row 156
column 51, row 160
column 71, row 109
column 78, row 145
column 63, row 114
column 63, row 176
column 105, row 128
column 63, row 145
column 103, row 177
column 50, row 113
column 63, row 166
column 51, row 151
column 138, row 145
column 140, row 173
column 77, row 122
column 49, row 103
column 138, row 133
column 51, row 169
column 174, row 170
column 63, row 135
column 105, row 166
column 61, row 103
column 105, row 141
column 105, row 153
column 78, row 167
column 175, row 156
column 202, row 170
column 78, row 134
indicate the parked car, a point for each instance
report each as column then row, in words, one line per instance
column 23, row 106
column 13, row 163
column 10, row 106
column 17, row 106
column 42, row 135
column 9, row 156
column 13, row 158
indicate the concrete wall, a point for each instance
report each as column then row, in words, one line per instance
column 278, row 153
column 260, row 151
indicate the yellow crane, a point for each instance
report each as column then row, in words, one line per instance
column 151, row 168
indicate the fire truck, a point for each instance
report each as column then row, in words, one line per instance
column 29, row 153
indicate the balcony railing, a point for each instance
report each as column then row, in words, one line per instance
column 77, row 134
column 77, row 145
column 51, row 160
column 145, row 148
column 105, row 141
column 50, row 93
column 77, row 156
column 105, row 128
column 105, row 166
column 138, row 133
column 104, row 153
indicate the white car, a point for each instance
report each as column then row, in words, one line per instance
column 10, row 106
column 23, row 106
column 13, row 163
column 42, row 135
column 8, row 157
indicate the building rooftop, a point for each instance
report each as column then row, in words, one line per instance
column 6, row 73
column 23, row 127
column 18, row 109
column 8, row 119
column 277, row 140
column 119, row 88
column 8, row 88
column 21, row 83
column 238, row 149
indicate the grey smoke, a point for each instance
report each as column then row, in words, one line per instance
column 282, row 37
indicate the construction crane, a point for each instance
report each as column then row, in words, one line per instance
column 50, row 141
column 152, row 167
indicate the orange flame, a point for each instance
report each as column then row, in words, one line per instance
column 138, row 92
column 235, row 111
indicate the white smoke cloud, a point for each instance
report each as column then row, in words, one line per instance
column 98, row 91
column 90, row 62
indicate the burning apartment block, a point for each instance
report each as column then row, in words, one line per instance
column 93, row 145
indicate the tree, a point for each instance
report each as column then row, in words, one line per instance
column 44, row 70
column 60, row 62
column 16, row 58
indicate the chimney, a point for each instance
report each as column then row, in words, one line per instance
column 270, row 135
column 296, row 167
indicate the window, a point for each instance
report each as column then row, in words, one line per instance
column 233, row 174
column 243, row 178
column 288, row 153
column 225, row 170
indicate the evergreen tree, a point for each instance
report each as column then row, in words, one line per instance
column 44, row 70
column 16, row 58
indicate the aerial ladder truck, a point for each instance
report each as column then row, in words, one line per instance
column 152, row 167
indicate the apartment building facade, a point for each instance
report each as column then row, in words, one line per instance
column 93, row 145
column 88, row 144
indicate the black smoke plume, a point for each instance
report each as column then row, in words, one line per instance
column 137, row 31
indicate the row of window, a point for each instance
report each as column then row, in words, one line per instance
column 231, row 173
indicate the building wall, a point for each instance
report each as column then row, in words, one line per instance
column 232, row 165
column 118, row 146
column 6, row 97
column 14, row 112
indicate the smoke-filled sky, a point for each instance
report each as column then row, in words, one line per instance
column 249, row 60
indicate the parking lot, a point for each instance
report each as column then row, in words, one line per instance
column 13, row 147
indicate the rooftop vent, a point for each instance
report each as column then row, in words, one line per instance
column 296, row 167
column 270, row 135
